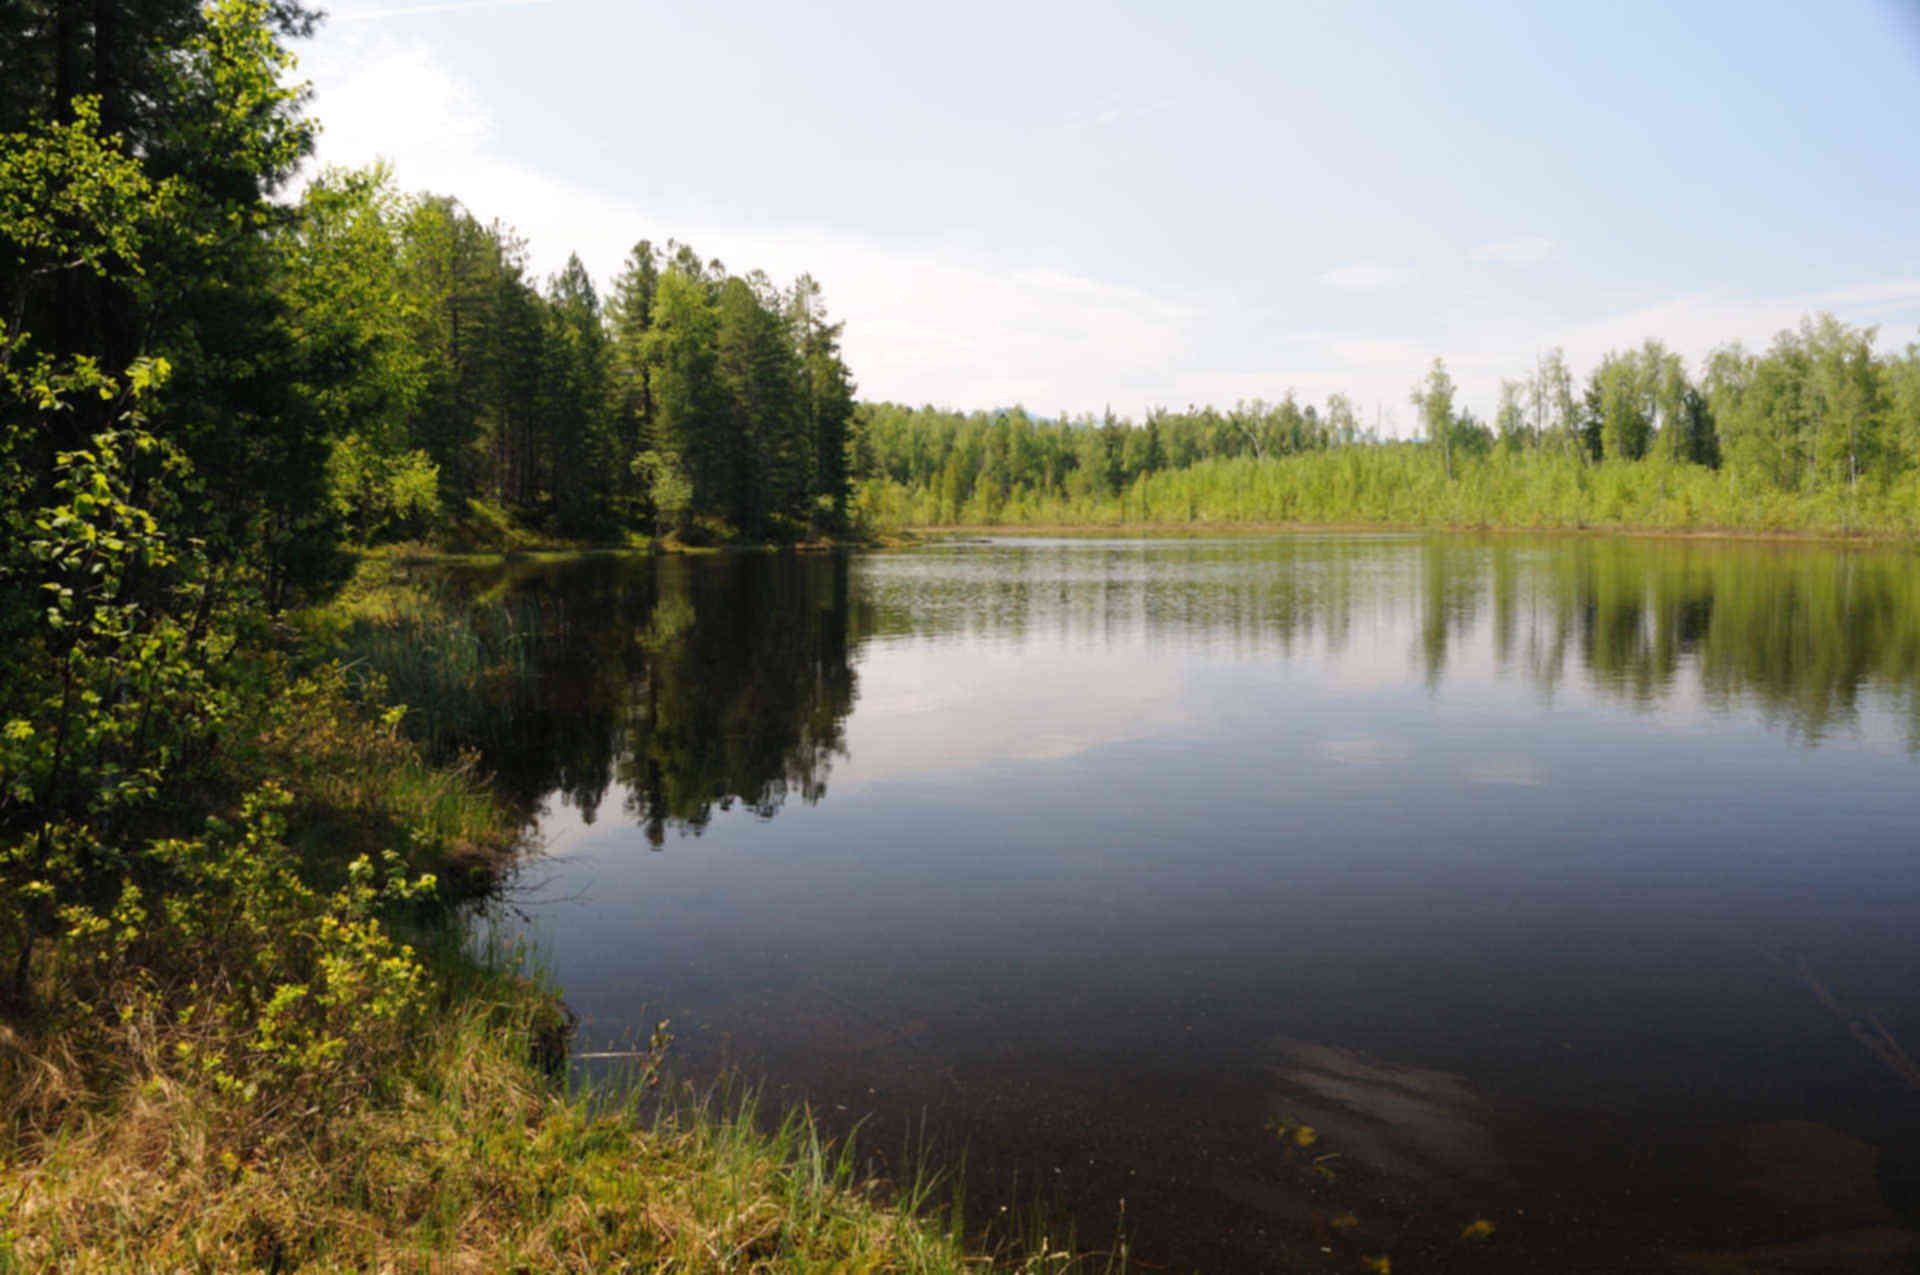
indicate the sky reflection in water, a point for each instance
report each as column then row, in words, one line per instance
column 1566, row 816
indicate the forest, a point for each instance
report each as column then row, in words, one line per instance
column 1819, row 431
column 693, row 402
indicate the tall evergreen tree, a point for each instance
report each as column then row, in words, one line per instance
column 629, row 317
column 579, row 433
column 828, row 388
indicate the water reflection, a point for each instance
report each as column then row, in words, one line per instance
column 688, row 685
column 1568, row 818
column 681, row 686
column 1799, row 632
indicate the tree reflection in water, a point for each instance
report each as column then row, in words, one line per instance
column 693, row 683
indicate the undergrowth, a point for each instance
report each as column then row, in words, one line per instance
column 242, row 1024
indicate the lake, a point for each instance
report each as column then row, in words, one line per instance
column 1318, row 896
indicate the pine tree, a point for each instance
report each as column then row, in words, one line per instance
column 828, row 388
column 584, row 447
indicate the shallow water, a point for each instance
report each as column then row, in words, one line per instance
column 1072, row 848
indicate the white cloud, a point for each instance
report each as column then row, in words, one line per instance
column 1364, row 277
column 1114, row 113
column 926, row 321
column 931, row 326
column 403, row 105
column 1376, row 352
column 922, row 710
column 930, row 320
column 1377, row 372
column 1525, row 251
column 1869, row 296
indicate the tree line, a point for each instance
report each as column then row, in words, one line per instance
column 1819, row 408
column 982, row 460
column 1819, row 427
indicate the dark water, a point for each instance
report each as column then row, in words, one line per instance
column 1076, row 851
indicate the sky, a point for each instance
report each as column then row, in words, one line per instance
column 1076, row 206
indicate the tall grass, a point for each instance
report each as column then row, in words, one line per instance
column 458, row 669
column 477, row 1163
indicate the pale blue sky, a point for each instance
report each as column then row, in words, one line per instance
column 1074, row 204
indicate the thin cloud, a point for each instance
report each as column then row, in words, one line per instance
column 1890, row 292
column 1696, row 323
column 448, row 6
column 400, row 103
column 1365, row 277
column 1364, row 351
column 1114, row 113
column 1527, row 250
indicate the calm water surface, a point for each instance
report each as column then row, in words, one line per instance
column 1043, row 838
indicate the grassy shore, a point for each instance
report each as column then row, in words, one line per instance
column 295, row 1057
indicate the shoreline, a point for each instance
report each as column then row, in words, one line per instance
column 415, row 554
column 1195, row 530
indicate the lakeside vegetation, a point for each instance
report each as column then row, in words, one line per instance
column 1818, row 433
column 243, row 1021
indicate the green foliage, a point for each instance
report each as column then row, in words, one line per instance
column 666, row 487
column 311, row 1001
column 1407, row 485
column 380, row 495
column 70, row 200
column 1820, row 434
column 224, row 978
column 970, row 467
column 1434, row 401
column 697, row 404
column 108, row 695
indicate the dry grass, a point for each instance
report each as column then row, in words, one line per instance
column 476, row 1163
